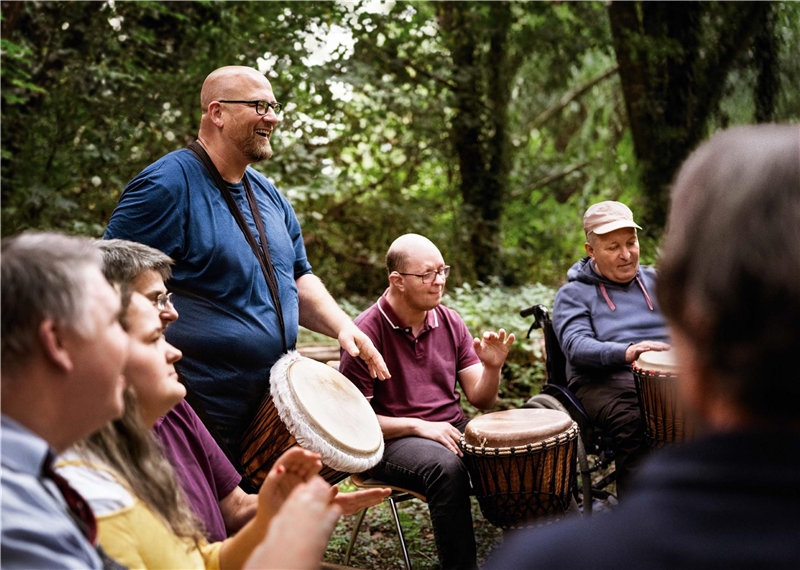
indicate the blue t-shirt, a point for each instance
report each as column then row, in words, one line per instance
column 228, row 328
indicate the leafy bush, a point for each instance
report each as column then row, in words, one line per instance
column 490, row 306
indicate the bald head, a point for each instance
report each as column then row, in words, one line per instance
column 231, row 82
column 407, row 247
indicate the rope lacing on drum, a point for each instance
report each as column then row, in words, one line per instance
column 546, row 443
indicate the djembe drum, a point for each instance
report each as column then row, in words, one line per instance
column 656, row 376
column 522, row 464
column 314, row 406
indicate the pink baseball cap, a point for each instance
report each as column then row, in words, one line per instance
column 608, row 216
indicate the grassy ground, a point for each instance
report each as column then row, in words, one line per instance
column 378, row 547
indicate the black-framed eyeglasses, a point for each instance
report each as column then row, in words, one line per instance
column 430, row 276
column 163, row 300
column 262, row 107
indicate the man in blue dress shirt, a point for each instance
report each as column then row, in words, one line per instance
column 63, row 352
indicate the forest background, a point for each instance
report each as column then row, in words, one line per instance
column 487, row 126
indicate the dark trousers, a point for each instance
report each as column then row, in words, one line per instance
column 427, row 467
column 613, row 405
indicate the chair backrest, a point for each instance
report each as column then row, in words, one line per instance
column 595, row 440
column 556, row 362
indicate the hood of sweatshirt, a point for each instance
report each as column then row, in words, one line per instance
column 583, row 272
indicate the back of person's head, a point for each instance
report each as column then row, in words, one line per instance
column 730, row 270
column 43, row 277
column 124, row 261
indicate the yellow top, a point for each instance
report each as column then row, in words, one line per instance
column 128, row 530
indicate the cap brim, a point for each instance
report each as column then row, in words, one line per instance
column 611, row 226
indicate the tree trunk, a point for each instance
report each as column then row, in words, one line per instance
column 479, row 125
column 673, row 72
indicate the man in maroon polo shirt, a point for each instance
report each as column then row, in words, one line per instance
column 427, row 348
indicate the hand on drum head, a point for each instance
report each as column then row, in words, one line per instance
column 298, row 535
column 441, row 432
column 354, row 502
column 493, row 348
column 293, row 467
column 356, row 343
column 635, row 350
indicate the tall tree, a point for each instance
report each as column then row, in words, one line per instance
column 674, row 58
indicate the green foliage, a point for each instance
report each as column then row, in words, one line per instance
column 490, row 307
column 368, row 146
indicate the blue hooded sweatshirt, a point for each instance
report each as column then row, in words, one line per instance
column 596, row 319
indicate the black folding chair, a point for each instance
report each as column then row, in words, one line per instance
column 556, row 394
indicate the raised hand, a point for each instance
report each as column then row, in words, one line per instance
column 493, row 347
column 293, row 467
column 298, row 535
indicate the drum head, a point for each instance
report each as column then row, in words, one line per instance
column 658, row 361
column 332, row 407
column 513, row 428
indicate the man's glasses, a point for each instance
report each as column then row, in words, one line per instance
column 262, row 107
column 163, row 301
column 430, row 276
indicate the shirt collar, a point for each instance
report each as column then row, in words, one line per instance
column 431, row 317
column 23, row 451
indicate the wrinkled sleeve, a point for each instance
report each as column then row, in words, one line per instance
column 210, row 554
column 151, row 212
column 226, row 478
column 301, row 264
column 120, row 539
column 572, row 322
column 467, row 356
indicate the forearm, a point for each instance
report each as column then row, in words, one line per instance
column 589, row 352
column 318, row 310
column 238, row 508
column 483, row 393
column 238, row 548
column 399, row 427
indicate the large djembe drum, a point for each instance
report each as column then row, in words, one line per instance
column 656, row 377
column 314, row 406
column 522, row 464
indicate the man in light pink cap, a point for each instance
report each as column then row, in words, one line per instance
column 605, row 317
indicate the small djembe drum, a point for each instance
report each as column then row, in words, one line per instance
column 522, row 464
column 656, row 376
column 314, row 406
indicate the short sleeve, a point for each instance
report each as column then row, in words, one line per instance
column 152, row 209
column 226, row 478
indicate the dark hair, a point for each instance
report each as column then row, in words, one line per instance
column 43, row 277
column 396, row 260
column 124, row 261
column 729, row 275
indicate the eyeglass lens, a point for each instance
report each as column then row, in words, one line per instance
column 430, row 276
column 163, row 300
column 263, row 107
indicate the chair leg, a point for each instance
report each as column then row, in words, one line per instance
column 353, row 537
column 400, row 533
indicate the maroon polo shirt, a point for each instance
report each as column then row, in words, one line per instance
column 424, row 369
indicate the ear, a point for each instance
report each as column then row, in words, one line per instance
column 215, row 114
column 396, row 280
column 589, row 249
column 53, row 348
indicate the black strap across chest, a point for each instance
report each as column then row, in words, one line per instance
column 261, row 251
